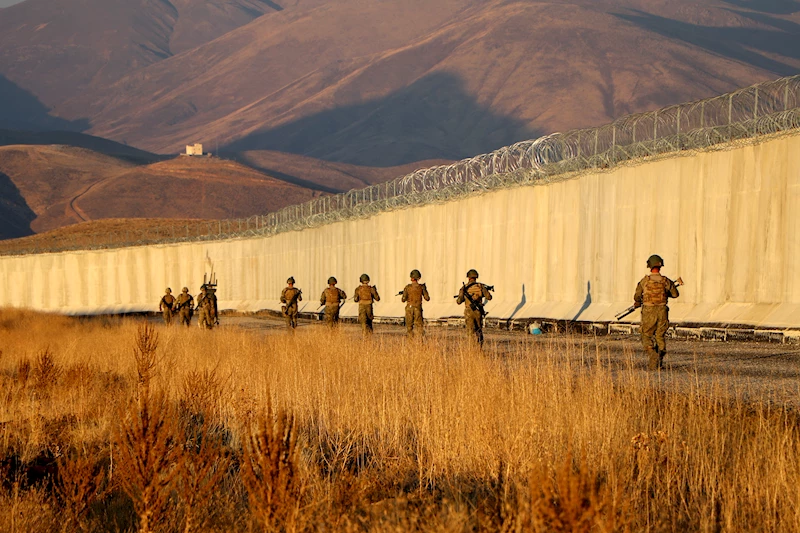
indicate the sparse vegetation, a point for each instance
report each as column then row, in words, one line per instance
column 115, row 426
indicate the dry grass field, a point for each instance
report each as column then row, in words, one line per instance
column 117, row 425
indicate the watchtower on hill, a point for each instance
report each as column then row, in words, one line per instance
column 194, row 149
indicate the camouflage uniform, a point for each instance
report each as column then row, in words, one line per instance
column 651, row 295
column 365, row 295
column 473, row 314
column 331, row 297
column 185, row 306
column 207, row 309
column 293, row 295
column 413, row 294
column 166, row 306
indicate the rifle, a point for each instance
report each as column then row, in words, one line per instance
column 184, row 304
column 292, row 302
column 678, row 282
column 475, row 305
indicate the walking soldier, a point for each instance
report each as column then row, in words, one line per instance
column 289, row 298
column 185, row 306
column 651, row 295
column 472, row 295
column 207, row 307
column 365, row 295
column 331, row 298
column 166, row 306
column 413, row 294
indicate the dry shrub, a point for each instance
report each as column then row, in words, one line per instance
column 206, row 459
column 574, row 497
column 201, row 393
column 269, row 469
column 204, row 464
column 46, row 371
column 23, row 372
column 81, row 482
column 147, row 457
column 28, row 511
column 145, row 355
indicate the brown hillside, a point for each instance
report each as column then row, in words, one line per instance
column 324, row 175
column 89, row 233
column 78, row 140
column 47, row 187
column 187, row 187
column 46, row 178
column 386, row 83
column 60, row 48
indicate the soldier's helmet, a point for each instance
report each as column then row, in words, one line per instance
column 168, row 291
column 364, row 278
column 655, row 261
column 472, row 274
column 185, row 289
column 415, row 274
column 290, row 280
column 331, row 281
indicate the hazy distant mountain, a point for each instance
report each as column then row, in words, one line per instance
column 381, row 83
column 57, row 49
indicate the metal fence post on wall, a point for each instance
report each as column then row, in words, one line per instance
column 655, row 126
column 730, row 118
column 755, row 107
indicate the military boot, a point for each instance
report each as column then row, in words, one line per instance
column 653, row 360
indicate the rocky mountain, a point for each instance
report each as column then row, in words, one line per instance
column 382, row 83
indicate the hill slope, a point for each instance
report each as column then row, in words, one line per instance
column 47, row 187
column 398, row 81
column 57, row 49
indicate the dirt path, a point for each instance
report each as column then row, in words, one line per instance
column 73, row 203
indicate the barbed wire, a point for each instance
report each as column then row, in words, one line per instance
column 762, row 109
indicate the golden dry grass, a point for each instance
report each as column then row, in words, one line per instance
column 237, row 431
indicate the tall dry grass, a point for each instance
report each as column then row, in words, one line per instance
column 240, row 431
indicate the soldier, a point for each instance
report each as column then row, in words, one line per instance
column 413, row 294
column 207, row 307
column 166, row 306
column 331, row 298
column 365, row 295
column 651, row 295
column 289, row 298
column 471, row 295
column 185, row 306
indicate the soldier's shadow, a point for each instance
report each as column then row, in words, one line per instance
column 523, row 300
column 586, row 302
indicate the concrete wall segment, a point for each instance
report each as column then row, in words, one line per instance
column 572, row 249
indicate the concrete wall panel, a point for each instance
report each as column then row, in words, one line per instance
column 727, row 221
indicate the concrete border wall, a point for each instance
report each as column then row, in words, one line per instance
column 723, row 220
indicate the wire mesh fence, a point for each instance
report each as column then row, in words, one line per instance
column 761, row 109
